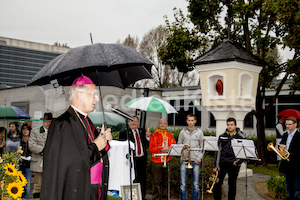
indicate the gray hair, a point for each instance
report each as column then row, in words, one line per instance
column 74, row 89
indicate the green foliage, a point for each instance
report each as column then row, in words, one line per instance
column 271, row 155
column 277, row 186
column 270, row 169
column 182, row 44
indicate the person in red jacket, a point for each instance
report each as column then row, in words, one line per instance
column 160, row 142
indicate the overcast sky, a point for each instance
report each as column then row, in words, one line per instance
column 72, row 21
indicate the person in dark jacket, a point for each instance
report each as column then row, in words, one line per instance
column 75, row 156
column 290, row 141
column 225, row 160
column 13, row 137
column 26, row 157
column 140, row 137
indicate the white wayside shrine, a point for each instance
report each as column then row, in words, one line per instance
column 229, row 78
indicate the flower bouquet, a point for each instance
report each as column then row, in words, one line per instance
column 12, row 180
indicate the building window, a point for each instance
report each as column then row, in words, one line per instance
column 184, row 108
column 212, row 121
column 24, row 105
column 248, row 121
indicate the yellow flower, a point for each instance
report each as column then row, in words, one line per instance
column 15, row 190
column 20, row 151
column 21, row 179
column 10, row 169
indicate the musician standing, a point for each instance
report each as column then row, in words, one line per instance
column 160, row 142
column 191, row 137
column 225, row 160
column 290, row 141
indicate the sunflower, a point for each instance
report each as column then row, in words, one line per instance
column 10, row 169
column 21, row 179
column 15, row 190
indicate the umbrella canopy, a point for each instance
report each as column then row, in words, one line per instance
column 290, row 113
column 106, row 64
column 12, row 112
column 111, row 118
column 151, row 104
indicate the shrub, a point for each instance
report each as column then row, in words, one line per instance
column 277, row 186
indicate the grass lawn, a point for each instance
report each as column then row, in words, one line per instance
column 270, row 169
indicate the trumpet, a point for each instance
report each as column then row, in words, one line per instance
column 214, row 178
column 189, row 166
column 283, row 153
column 165, row 161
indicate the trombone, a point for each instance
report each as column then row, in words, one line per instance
column 214, row 178
column 283, row 153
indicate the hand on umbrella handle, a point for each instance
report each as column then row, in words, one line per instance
column 107, row 133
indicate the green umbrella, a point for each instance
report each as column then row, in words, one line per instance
column 12, row 112
column 111, row 118
column 151, row 104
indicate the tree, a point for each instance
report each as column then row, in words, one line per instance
column 131, row 42
column 257, row 25
column 182, row 45
column 163, row 75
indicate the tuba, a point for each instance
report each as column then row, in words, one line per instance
column 214, row 178
column 283, row 153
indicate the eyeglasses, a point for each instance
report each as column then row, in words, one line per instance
column 290, row 124
column 94, row 95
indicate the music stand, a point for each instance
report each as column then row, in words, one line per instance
column 244, row 149
column 210, row 143
column 174, row 150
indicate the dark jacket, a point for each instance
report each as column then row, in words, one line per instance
column 67, row 161
column 225, row 153
column 26, row 153
column 293, row 165
column 142, row 132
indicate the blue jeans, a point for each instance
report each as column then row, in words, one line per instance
column 292, row 185
column 184, row 172
column 28, row 174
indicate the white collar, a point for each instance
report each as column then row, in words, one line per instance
column 76, row 109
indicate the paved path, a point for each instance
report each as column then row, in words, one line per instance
column 252, row 194
column 241, row 188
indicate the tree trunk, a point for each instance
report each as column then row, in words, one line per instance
column 261, row 139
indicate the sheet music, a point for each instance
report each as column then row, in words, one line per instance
column 244, row 149
column 211, row 143
column 176, row 149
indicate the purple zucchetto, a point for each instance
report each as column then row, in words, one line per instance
column 83, row 80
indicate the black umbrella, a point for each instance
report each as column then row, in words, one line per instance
column 106, row 64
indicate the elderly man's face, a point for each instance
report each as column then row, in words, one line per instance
column 163, row 124
column 134, row 124
column 89, row 98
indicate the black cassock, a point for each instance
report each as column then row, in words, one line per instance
column 67, row 161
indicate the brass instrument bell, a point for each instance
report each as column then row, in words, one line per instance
column 283, row 153
column 214, row 178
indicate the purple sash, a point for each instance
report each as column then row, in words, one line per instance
column 96, row 173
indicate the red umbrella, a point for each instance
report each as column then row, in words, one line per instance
column 290, row 113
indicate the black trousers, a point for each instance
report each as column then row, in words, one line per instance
column 232, row 171
column 160, row 181
column 140, row 164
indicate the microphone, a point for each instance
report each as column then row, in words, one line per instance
column 119, row 112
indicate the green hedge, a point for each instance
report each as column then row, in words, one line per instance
column 277, row 187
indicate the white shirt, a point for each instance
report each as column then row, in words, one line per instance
column 289, row 139
column 76, row 109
